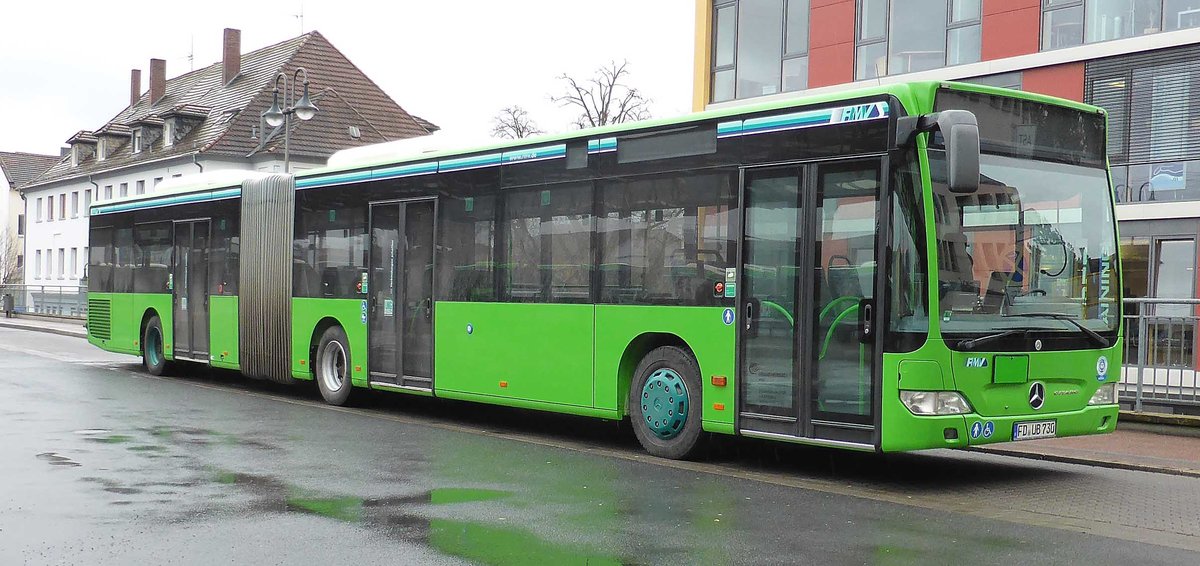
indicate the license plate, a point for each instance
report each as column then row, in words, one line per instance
column 1036, row 429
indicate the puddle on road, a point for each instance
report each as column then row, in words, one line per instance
column 92, row 431
column 110, row 439
column 402, row 517
column 55, row 460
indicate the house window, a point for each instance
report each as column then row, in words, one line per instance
column 62, row 206
column 37, row 264
column 107, row 192
column 169, row 133
column 102, row 149
column 760, row 47
column 20, row 224
column 916, row 35
column 39, row 209
column 137, row 140
column 87, row 202
column 124, row 189
column 50, row 208
column 74, row 263
column 141, row 187
column 157, row 180
column 75, row 204
column 62, row 255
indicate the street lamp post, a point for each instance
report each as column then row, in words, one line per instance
column 303, row 109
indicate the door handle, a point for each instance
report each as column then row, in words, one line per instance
column 866, row 320
column 749, row 317
column 428, row 308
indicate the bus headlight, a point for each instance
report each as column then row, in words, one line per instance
column 935, row 402
column 1106, row 395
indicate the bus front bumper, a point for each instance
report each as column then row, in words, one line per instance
column 914, row 432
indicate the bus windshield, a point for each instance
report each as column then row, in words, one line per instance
column 1034, row 245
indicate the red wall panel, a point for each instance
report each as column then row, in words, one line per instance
column 1010, row 28
column 831, row 43
column 1063, row 81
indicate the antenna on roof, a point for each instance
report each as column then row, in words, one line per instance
column 192, row 53
column 300, row 17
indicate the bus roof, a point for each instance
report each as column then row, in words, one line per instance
column 434, row 147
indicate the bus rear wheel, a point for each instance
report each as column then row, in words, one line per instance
column 332, row 366
column 665, row 403
column 153, row 358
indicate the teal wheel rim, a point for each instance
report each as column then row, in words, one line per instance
column 154, row 346
column 665, row 403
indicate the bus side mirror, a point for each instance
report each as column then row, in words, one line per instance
column 961, row 134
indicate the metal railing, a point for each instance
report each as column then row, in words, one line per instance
column 55, row 300
column 1160, row 366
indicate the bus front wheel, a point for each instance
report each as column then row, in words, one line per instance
column 153, row 358
column 332, row 366
column 665, row 403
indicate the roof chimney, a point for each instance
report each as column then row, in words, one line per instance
column 232, row 48
column 135, row 86
column 158, row 79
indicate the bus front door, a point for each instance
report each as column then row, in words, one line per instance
column 400, row 287
column 189, row 288
column 807, row 317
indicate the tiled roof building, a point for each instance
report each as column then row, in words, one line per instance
column 204, row 120
column 206, row 112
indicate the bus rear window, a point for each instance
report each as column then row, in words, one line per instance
column 1031, row 130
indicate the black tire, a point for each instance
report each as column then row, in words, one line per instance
column 331, row 366
column 153, row 357
column 684, row 440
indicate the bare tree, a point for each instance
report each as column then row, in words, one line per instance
column 605, row 98
column 10, row 252
column 514, row 123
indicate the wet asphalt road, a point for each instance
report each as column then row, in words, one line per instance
column 100, row 464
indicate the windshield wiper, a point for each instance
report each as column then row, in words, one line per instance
column 1098, row 339
column 972, row 343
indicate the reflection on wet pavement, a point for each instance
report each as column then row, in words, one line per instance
column 114, row 467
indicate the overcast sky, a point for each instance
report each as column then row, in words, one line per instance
column 64, row 65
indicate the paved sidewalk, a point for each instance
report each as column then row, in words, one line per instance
column 1133, row 446
column 1171, row 449
column 63, row 326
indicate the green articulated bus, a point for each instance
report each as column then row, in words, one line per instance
column 896, row 268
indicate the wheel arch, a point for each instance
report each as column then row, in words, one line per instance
column 315, row 340
column 149, row 313
column 634, row 352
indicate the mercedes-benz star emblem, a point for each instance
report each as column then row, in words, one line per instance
column 1037, row 395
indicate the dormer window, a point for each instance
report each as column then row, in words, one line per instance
column 169, row 133
column 137, row 140
column 102, row 149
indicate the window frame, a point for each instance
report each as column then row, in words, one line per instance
column 785, row 56
column 886, row 38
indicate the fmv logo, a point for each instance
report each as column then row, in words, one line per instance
column 977, row 362
column 861, row 112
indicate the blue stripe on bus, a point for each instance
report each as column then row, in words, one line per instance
column 808, row 119
column 308, row 182
column 602, row 145
column 472, row 162
column 405, row 170
column 728, row 129
column 535, row 153
column 168, row 201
